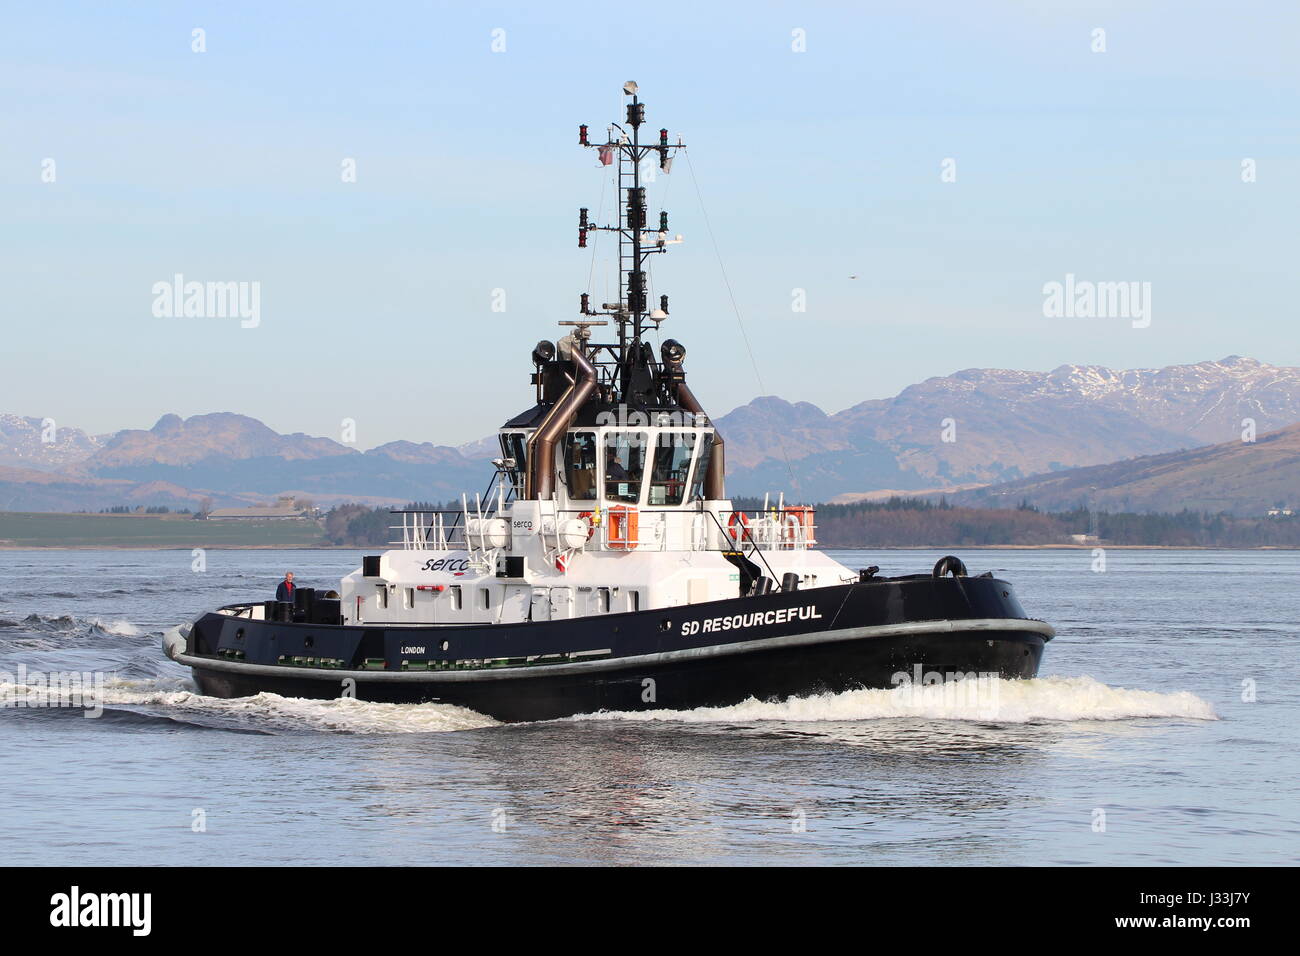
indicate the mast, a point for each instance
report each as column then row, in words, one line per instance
column 575, row 370
column 636, row 243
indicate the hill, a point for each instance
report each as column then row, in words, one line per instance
column 973, row 428
column 1242, row 478
column 1004, row 425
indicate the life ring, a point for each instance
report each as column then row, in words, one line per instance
column 738, row 526
column 624, row 522
column 791, row 531
column 591, row 523
column 950, row 563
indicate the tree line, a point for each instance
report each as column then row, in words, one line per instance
column 915, row 522
column 358, row 526
column 918, row 522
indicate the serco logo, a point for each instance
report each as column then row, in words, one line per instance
column 523, row 524
column 453, row 565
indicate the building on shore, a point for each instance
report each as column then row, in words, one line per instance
column 285, row 509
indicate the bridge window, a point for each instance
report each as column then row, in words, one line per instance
column 672, row 466
column 704, row 448
column 625, row 465
column 580, row 465
column 515, row 445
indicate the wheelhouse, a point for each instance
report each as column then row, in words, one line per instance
column 651, row 467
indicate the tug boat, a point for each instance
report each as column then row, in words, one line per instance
column 605, row 568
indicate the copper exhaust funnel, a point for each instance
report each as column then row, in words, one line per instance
column 672, row 354
column 539, row 482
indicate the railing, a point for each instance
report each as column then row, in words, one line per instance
column 777, row 529
column 653, row 533
column 240, row 610
column 737, row 537
column 443, row 530
column 786, row 529
column 430, row 530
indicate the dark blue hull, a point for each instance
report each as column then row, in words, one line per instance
column 775, row 646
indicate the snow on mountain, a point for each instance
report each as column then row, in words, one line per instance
column 974, row 427
column 43, row 445
column 992, row 425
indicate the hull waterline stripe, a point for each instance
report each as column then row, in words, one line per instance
column 174, row 644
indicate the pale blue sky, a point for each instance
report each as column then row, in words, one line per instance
column 814, row 166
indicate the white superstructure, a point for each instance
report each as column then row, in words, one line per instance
column 631, row 535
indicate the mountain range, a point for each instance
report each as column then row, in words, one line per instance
column 1243, row 477
column 984, row 426
column 977, row 427
column 222, row 457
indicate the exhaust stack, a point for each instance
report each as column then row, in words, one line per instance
column 673, row 353
column 539, row 482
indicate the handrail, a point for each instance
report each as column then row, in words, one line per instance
column 417, row 535
column 803, row 535
column 444, row 535
column 726, row 536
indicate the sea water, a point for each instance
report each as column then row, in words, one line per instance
column 1161, row 730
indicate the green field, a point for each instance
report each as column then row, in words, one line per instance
column 49, row 530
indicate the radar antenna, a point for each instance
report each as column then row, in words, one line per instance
column 636, row 240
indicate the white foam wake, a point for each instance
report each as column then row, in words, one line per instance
column 117, row 628
column 261, row 712
column 65, row 624
column 341, row 715
column 998, row 701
